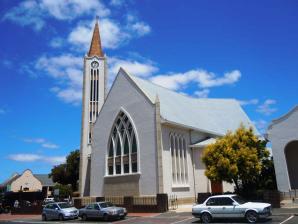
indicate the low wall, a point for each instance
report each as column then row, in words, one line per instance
column 158, row 203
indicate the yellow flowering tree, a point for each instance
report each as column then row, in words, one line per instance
column 236, row 158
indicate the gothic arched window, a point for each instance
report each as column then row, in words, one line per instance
column 122, row 157
column 179, row 159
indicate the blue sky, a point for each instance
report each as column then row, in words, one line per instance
column 219, row 49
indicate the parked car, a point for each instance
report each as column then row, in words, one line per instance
column 104, row 210
column 59, row 210
column 230, row 206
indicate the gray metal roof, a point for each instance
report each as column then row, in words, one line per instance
column 215, row 116
column 44, row 179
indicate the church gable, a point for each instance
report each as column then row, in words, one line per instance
column 125, row 102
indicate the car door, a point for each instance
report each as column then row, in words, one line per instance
column 214, row 207
column 55, row 211
column 90, row 211
column 228, row 209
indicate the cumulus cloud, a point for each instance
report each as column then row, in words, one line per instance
column 202, row 93
column 143, row 68
column 267, row 108
column 203, row 78
column 248, row 102
column 261, row 125
column 113, row 34
column 33, row 13
column 30, row 157
column 42, row 142
column 67, row 71
column 110, row 32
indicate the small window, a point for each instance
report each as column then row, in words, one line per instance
column 134, row 145
column 134, row 167
column 213, row 202
column 226, row 201
column 126, row 168
column 110, row 170
column 118, row 169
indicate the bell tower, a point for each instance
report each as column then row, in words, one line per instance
column 94, row 94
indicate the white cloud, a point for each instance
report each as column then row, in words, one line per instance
column 203, row 78
column 66, row 10
column 261, row 125
column 267, row 108
column 23, row 157
column 248, row 102
column 27, row 13
column 110, row 32
column 50, row 145
column 42, row 142
column 35, row 140
column 143, row 68
column 117, row 2
column 67, row 71
column 57, row 42
column 33, row 13
column 202, row 93
column 113, row 34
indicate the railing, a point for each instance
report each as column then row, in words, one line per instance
column 173, row 202
column 146, row 200
column 117, row 200
column 85, row 200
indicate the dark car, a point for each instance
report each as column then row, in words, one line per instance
column 104, row 210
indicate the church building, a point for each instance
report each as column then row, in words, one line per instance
column 143, row 139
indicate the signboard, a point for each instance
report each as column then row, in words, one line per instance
column 56, row 192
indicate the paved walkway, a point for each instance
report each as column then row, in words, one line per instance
column 9, row 217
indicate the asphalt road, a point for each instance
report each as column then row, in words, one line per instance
column 170, row 218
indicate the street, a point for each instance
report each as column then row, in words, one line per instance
column 167, row 218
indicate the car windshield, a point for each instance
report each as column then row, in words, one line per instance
column 106, row 204
column 239, row 200
column 64, row 205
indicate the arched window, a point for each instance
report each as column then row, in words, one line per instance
column 179, row 159
column 122, row 157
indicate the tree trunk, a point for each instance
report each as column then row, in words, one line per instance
column 237, row 185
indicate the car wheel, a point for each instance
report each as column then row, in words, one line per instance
column 84, row 217
column 61, row 218
column 44, row 217
column 251, row 216
column 105, row 217
column 206, row 217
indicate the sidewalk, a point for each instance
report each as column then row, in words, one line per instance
column 9, row 217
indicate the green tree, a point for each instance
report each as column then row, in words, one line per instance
column 64, row 190
column 236, row 158
column 67, row 173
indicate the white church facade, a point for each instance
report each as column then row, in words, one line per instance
column 143, row 139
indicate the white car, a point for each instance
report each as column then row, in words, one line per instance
column 230, row 206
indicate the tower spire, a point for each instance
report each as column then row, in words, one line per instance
column 95, row 47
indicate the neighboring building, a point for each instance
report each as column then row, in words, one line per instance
column 147, row 139
column 283, row 134
column 28, row 182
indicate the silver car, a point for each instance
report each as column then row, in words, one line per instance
column 230, row 206
column 104, row 210
column 59, row 210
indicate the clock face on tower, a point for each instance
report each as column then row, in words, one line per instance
column 94, row 64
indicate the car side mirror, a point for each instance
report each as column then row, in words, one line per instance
column 56, row 209
column 235, row 204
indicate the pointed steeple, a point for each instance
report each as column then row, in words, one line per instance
column 95, row 47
